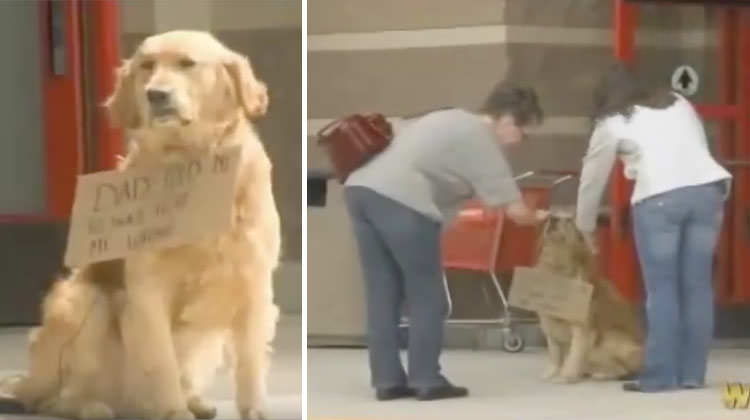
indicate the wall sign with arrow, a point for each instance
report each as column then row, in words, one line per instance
column 685, row 80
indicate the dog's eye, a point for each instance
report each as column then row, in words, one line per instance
column 147, row 65
column 186, row 63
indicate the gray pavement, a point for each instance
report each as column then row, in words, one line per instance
column 507, row 386
column 285, row 383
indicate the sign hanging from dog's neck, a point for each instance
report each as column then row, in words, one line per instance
column 117, row 213
column 541, row 291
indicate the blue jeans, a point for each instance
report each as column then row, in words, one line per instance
column 676, row 235
column 399, row 250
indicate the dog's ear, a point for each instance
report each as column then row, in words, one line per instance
column 123, row 110
column 250, row 92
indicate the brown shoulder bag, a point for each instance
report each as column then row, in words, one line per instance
column 353, row 140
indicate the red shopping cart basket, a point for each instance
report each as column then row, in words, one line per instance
column 484, row 239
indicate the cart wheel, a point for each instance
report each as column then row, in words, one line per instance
column 512, row 342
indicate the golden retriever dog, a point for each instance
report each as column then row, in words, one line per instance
column 140, row 337
column 609, row 345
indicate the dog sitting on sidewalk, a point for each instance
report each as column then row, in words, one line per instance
column 609, row 344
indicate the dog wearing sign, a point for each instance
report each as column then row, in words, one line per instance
column 609, row 344
column 139, row 337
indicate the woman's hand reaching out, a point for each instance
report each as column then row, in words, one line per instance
column 522, row 214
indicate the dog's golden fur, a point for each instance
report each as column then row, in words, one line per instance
column 139, row 338
column 609, row 345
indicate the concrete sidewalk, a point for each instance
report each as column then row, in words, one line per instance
column 507, row 386
column 285, row 382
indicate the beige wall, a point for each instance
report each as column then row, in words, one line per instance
column 407, row 57
column 404, row 57
column 269, row 33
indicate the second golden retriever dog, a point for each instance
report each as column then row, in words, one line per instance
column 141, row 337
column 609, row 345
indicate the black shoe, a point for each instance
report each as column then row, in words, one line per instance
column 394, row 393
column 441, row 392
column 628, row 377
column 636, row 387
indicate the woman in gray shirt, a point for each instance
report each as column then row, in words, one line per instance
column 398, row 203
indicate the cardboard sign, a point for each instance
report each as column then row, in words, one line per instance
column 118, row 213
column 541, row 291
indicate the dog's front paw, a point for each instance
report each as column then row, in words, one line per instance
column 252, row 405
column 567, row 377
column 551, row 372
column 201, row 410
column 251, row 414
column 96, row 411
column 179, row 415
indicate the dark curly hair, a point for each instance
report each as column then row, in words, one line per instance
column 619, row 90
column 520, row 101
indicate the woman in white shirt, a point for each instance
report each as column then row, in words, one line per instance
column 677, row 211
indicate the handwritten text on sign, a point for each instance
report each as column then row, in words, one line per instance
column 544, row 292
column 118, row 213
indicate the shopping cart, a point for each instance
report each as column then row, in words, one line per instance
column 485, row 240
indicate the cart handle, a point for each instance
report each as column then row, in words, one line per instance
column 524, row 175
column 562, row 179
column 565, row 175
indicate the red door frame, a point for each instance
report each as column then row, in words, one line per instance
column 62, row 109
column 740, row 291
column 734, row 149
column 106, row 31
column 621, row 244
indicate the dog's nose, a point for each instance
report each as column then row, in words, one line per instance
column 157, row 96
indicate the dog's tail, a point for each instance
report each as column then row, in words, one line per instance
column 8, row 386
column 8, row 402
column 65, row 307
column 50, row 346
